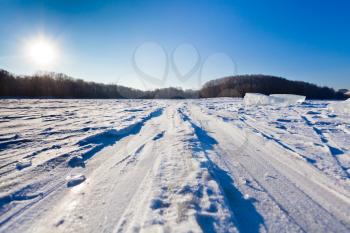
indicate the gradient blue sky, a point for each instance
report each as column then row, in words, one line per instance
column 298, row 40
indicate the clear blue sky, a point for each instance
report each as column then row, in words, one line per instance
column 96, row 40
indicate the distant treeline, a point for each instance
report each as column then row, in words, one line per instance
column 237, row 86
column 55, row 85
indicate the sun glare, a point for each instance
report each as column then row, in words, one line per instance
column 42, row 52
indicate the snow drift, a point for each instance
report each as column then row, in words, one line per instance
column 342, row 107
column 290, row 99
column 275, row 99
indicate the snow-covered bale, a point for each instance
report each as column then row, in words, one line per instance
column 342, row 107
column 290, row 99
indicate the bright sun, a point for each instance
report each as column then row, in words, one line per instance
column 42, row 52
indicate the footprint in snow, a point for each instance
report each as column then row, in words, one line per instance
column 75, row 180
column 158, row 136
column 268, row 176
column 158, row 204
column 76, row 161
column 60, row 222
column 23, row 164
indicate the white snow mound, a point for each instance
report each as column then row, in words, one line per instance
column 342, row 107
column 256, row 99
column 276, row 99
column 290, row 99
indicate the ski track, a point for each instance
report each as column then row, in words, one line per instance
column 172, row 166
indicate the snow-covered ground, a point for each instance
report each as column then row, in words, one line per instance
column 212, row 165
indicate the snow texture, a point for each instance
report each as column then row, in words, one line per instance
column 209, row 165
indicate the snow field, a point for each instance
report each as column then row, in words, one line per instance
column 212, row 165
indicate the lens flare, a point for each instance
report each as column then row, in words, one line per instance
column 42, row 52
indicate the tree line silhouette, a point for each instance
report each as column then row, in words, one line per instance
column 237, row 86
column 57, row 85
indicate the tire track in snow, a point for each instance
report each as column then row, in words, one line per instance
column 181, row 193
column 245, row 215
column 55, row 186
column 291, row 189
column 333, row 150
column 98, row 203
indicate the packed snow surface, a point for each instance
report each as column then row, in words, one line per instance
column 210, row 165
